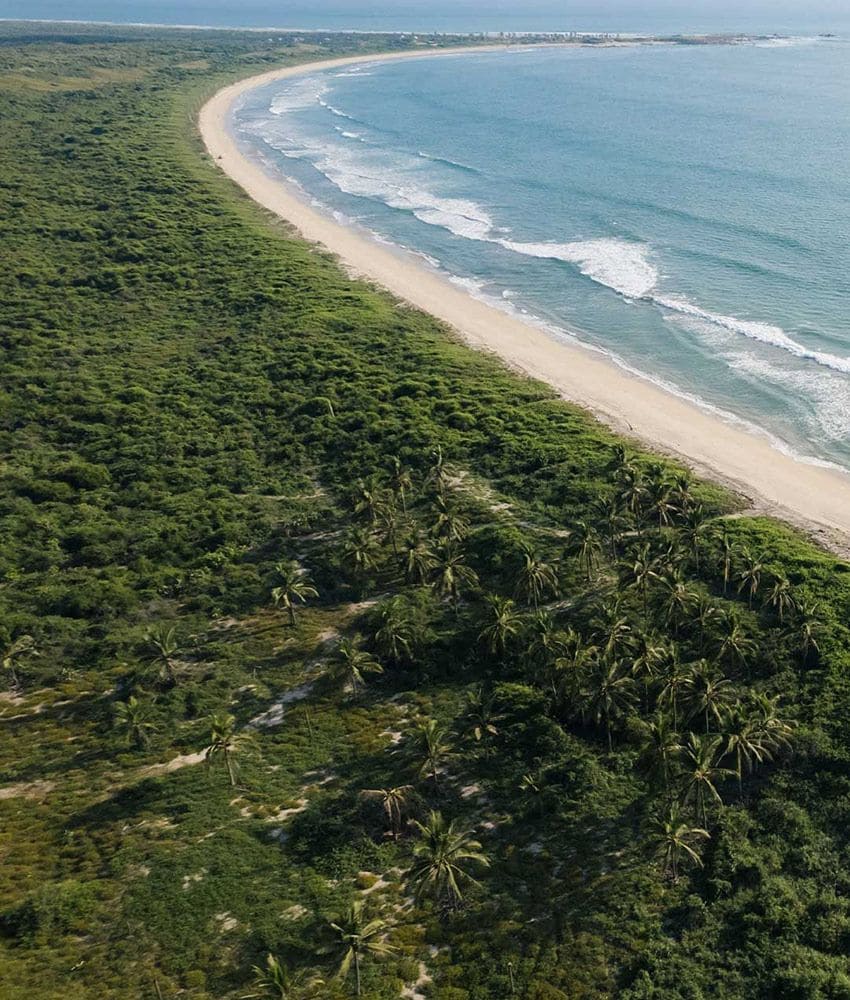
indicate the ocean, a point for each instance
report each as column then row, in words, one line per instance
column 684, row 209
column 653, row 16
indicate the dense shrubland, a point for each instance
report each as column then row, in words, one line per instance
column 336, row 657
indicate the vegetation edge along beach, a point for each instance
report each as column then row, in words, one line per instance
column 338, row 659
column 812, row 495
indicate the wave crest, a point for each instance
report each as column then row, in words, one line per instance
column 624, row 267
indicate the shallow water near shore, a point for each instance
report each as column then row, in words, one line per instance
column 684, row 209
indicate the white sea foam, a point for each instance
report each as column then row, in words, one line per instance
column 620, row 265
column 434, row 158
column 374, row 178
column 765, row 333
column 301, row 93
column 401, row 181
column 335, row 111
column 785, row 43
column 823, row 396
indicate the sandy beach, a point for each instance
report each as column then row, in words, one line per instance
column 810, row 496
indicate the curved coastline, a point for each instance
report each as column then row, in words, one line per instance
column 810, row 496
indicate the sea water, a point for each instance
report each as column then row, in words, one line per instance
column 654, row 16
column 685, row 209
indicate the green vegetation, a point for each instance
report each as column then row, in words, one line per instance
column 493, row 704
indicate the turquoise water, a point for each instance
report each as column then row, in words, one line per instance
column 684, row 209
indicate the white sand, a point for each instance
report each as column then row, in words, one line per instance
column 810, row 496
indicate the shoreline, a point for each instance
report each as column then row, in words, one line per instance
column 562, row 37
column 811, row 497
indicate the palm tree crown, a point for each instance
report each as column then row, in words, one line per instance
column 164, row 646
column 225, row 743
column 674, row 839
column 133, row 716
column 358, row 937
column 295, row 586
column 393, row 801
column 350, row 663
column 438, row 865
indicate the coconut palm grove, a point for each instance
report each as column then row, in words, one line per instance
column 337, row 659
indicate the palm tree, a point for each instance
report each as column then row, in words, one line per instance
column 295, row 586
column 133, row 717
column 672, row 557
column 227, row 744
column 533, row 789
column 632, row 493
column 439, row 860
column 660, row 750
column 391, row 526
column 775, row 731
column 430, row 749
column 745, row 742
column 535, row 579
column 727, row 551
column 706, row 613
column 393, row 801
column 612, row 632
column 481, row 717
column 584, row 545
column 675, row 839
column 350, row 663
column 674, row 683
column 280, row 983
column 396, row 635
column 359, row 551
column 359, row 937
column 438, row 476
column 542, row 641
column 702, row 772
column 501, row 624
column 695, row 526
column 401, row 481
column 648, row 657
column 681, row 492
column 609, row 513
column 622, row 464
column 570, row 671
column 368, row 501
column 451, row 575
column 418, row 558
column 804, row 629
column 750, row 577
column 639, row 570
column 16, row 651
column 449, row 525
column 611, row 697
column 677, row 600
column 708, row 693
column 164, row 646
column 660, row 497
column 781, row 598
column 734, row 645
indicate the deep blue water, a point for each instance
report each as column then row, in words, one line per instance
column 685, row 209
column 657, row 16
